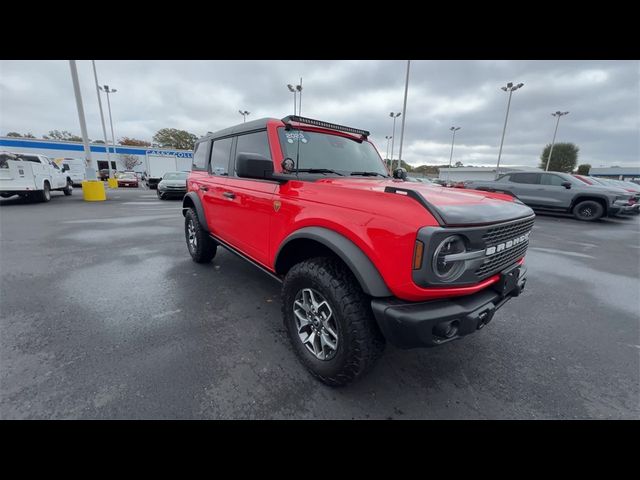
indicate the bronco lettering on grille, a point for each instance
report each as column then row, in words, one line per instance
column 507, row 245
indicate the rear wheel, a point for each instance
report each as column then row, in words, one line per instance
column 68, row 190
column 45, row 193
column 588, row 210
column 329, row 321
column 201, row 247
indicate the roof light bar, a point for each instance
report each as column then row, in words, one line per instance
column 319, row 123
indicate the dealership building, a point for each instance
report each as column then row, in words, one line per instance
column 57, row 148
column 617, row 173
column 461, row 174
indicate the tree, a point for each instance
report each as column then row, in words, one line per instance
column 129, row 161
column 459, row 164
column 134, row 142
column 584, row 169
column 99, row 141
column 564, row 158
column 13, row 134
column 172, row 137
column 63, row 135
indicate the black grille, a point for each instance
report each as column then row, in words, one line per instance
column 502, row 233
column 497, row 262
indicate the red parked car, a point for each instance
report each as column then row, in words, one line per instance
column 363, row 257
column 128, row 180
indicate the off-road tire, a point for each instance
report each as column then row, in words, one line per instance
column 588, row 210
column 44, row 195
column 205, row 248
column 68, row 190
column 360, row 342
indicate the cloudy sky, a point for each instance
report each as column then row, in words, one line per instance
column 199, row 96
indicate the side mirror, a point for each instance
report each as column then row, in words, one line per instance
column 400, row 173
column 252, row 165
column 566, row 184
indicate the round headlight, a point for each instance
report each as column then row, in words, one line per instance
column 448, row 271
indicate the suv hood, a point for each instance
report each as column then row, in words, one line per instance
column 450, row 206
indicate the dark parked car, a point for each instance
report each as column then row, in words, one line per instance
column 173, row 185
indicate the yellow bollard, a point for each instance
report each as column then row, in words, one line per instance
column 93, row 191
column 113, row 182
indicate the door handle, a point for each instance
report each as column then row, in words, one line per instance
column 229, row 195
column 203, row 188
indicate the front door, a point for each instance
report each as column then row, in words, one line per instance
column 250, row 202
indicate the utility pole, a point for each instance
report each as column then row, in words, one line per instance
column 404, row 110
column 83, row 124
column 104, row 128
column 394, row 116
column 556, row 114
column 113, row 137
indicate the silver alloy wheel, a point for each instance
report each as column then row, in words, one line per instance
column 70, row 186
column 47, row 192
column 586, row 212
column 316, row 325
column 191, row 234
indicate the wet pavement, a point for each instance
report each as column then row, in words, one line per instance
column 104, row 315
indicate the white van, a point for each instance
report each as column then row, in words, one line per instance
column 74, row 168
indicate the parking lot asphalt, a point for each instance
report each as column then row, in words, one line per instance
column 104, row 315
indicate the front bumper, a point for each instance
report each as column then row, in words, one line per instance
column 172, row 192
column 411, row 325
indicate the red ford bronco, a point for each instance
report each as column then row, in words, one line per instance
column 363, row 257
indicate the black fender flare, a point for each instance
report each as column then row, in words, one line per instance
column 192, row 197
column 362, row 267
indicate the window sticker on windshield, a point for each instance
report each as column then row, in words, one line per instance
column 294, row 136
column 336, row 141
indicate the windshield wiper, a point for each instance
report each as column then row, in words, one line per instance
column 316, row 170
column 369, row 174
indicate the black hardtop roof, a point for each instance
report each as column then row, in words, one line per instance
column 258, row 124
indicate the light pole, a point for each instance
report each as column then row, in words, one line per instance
column 556, row 114
column 83, row 124
column 244, row 115
column 104, row 129
column 299, row 89
column 404, row 117
column 394, row 116
column 388, row 137
column 510, row 87
column 295, row 90
column 106, row 89
column 453, row 139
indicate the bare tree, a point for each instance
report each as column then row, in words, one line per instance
column 129, row 161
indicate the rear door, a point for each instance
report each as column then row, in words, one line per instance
column 212, row 187
column 524, row 185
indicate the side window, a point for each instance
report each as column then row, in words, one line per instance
column 529, row 178
column 257, row 142
column 504, row 178
column 201, row 155
column 550, row 179
column 220, row 155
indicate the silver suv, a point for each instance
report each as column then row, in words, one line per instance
column 560, row 192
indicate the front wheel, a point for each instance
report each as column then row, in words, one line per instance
column 588, row 210
column 201, row 247
column 329, row 321
column 160, row 195
column 68, row 190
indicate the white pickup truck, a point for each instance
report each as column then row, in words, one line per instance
column 31, row 176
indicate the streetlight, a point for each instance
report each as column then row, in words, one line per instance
column 394, row 116
column 80, row 107
column 510, row 87
column 453, row 139
column 388, row 137
column 107, row 90
column 556, row 114
column 104, row 129
column 244, row 115
column 295, row 90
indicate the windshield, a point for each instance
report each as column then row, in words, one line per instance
column 131, row 176
column 333, row 152
column 175, row 176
